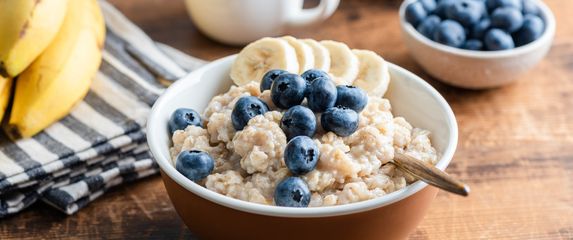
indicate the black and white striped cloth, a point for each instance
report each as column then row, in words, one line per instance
column 99, row 145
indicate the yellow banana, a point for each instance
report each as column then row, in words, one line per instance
column 5, row 90
column 60, row 77
column 26, row 28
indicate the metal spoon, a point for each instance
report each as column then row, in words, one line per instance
column 430, row 174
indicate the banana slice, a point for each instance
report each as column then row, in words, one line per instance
column 261, row 56
column 343, row 63
column 321, row 54
column 304, row 53
column 373, row 75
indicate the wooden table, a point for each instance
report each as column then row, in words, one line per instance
column 515, row 147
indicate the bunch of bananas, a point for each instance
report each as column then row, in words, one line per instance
column 50, row 50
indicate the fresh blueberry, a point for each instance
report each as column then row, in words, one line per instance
column 493, row 4
column 269, row 77
column 321, row 94
column 301, row 155
column 340, row 120
column 298, row 121
column 310, row 75
column 450, row 33
column 443, row 5
column 182, row 118
column 466, row 12
column 473, row 44
column 246, row 108
column 194, row 165
column 429, row 25
column 351, row 97
column 288, row 90
column 529, row 7
column 292, row 192
column 415, row 13
column 531, row 30
column 479, row 30
column 429, row 5
column 507, row 18
column 497, row 39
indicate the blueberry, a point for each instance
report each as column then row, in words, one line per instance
column 351, row 97
column 288, row 90
column 292, row 192
column 443, row 5
column 321, row 94
column 269, row 77
column 310, row 75
column 429, row 5
column 340, row 120
column 473, row 44
column 415, row 13
column 429, row 25
column 301, row 155
column 182, row 118
column 530, row 31
column 529, row 7
column 493, row 4
column 246, row 108
column 479, row 30
column 450, row 33
column 298, row 121
column 194, row 165
column 466, row 12
column 507, row 18
column 497, row 39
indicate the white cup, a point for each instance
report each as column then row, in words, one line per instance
column 239, row 22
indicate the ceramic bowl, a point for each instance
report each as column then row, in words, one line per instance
column 211, row 215
column 477, row 69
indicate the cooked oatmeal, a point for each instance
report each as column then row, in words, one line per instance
column 249, row 163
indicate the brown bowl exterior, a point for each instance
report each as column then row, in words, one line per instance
column 208, row 220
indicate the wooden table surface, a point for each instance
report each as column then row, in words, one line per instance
column 515, row 143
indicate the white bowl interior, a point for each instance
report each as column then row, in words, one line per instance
column 410, row 96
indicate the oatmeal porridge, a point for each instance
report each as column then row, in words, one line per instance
column 249, row 161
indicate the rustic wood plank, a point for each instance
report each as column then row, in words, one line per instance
column 515, row 147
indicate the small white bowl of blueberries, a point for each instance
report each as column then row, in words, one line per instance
column 477, row 44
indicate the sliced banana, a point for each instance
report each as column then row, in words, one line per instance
column 304, row 53
column 373, row 75
column 343, row 63
column 321, row 54
column 261, row 56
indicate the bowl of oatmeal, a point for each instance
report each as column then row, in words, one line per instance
column 355, row 192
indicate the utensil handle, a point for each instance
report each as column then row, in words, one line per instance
column 430, row 174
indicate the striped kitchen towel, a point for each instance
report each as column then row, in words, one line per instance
column 100, row 144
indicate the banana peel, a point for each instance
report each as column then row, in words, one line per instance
column 27, row 27
column 5, row 92
column 61, row 76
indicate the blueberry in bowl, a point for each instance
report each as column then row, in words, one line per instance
column 269, row 77
column 194, row 164
column 321, row 94
column 298, row 121
column 184, row 117
column 301, row 155
column 245, row 109
column 288, row 90
column 453, row 22
column 478, row 44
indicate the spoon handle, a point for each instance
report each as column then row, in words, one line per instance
column 430, row 174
